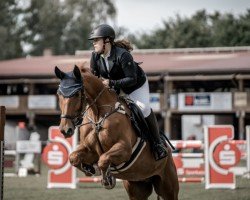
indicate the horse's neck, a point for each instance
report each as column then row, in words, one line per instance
column 97, row 94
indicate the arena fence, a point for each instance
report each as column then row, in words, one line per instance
column 196, row 161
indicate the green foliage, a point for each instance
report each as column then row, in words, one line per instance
column 10, row 42
column 200, row 30
column 64, row 25
column 44, row 25
column 60, row 25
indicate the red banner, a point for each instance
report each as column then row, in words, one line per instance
column 55, row 155
column 220, row 156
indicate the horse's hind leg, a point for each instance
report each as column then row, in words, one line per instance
column 138, row 190
column 167, row 185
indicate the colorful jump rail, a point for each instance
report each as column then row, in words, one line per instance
column 220, row 155
column 190, row 166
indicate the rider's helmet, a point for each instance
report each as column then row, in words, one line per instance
column 102, row 31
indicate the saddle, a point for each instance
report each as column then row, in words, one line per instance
column 140, row 125
column 137, row 119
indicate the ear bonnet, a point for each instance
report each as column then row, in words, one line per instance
column 70, row 85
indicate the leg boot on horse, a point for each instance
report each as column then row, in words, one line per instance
column 159, row 149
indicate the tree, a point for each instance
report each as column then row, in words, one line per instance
column 63, row 26
column 9, row 36
column 224, row 30
column 44, row 25
column 86, row 14
column 243, row 29
column 200, row 30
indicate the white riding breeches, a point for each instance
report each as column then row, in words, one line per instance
column 142, row 98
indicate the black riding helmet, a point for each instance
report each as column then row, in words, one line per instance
column 102, row 31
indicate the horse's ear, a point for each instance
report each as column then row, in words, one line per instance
column 59, row 74
column 77, row 73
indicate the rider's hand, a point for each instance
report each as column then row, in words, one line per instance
column 105, row 82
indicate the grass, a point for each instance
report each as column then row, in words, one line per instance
column 34, row 188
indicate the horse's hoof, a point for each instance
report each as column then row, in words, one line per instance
column 109, row 182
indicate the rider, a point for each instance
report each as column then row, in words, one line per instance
column 113, row 62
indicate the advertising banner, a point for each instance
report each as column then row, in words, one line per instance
column 55, row 155
column 220, row 156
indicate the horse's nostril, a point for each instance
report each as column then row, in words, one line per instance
column 69, row 131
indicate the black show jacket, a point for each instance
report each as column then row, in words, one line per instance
column 124, row 73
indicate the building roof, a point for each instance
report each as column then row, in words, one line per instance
column 195, row 60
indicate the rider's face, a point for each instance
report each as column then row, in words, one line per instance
column 98, row 45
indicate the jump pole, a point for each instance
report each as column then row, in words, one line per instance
column 2, row 123
column 248, row 151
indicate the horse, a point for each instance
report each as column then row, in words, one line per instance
column 108, row 139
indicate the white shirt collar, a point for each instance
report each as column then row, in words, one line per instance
column 107, row 55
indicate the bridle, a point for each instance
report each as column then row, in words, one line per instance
column 77, row 119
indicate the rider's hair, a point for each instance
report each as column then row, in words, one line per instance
column 125, row 44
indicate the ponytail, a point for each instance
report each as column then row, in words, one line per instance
column 125, row 44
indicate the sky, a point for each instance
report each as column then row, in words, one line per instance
column 147, row 15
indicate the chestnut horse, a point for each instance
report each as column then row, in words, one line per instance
column 108, row 140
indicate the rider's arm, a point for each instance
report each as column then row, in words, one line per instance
column 129, row 70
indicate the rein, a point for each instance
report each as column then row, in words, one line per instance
column 99, row 125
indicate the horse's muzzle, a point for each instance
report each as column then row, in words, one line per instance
column 68, row 133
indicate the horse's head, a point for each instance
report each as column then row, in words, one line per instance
column 72, row 100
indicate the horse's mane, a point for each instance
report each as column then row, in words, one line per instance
column 86, row 74
column 91, row 78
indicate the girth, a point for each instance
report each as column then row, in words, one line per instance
column 136, row 151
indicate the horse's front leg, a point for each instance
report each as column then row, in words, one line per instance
column 79, row 159
column 118, row 154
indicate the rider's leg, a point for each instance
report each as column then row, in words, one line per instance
column 159, row 148
column 142, row 98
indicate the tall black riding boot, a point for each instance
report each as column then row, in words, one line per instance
column 159, row 149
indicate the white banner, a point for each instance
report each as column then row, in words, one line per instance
column 27, row 146
column 9, row 101
column 42, row 102
column 216, row 101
